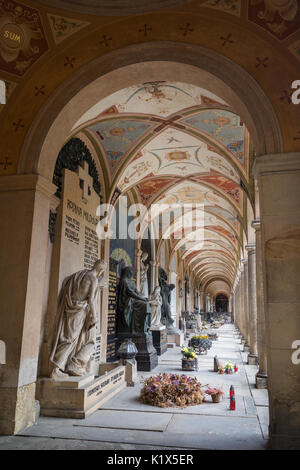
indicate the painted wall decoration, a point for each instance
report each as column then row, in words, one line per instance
column 227, row 6
column 280, row 17
column 229, row 187
column 148, row 189
column 62, row 28
column 22, row 37
column 225, row 127
column 157, row 98
column 229, row 216
column 118, row 135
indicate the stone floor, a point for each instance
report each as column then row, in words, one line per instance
column 124, row 423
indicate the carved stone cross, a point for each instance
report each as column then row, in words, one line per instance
column 86, row 181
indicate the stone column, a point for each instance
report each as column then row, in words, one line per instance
column 261, row 379
column 278, row 179
column 252, row 308
column 138, row 254
column 153, row 268
column 24, row 213
column 202, row 300
column 246, row 313
column 242, row 305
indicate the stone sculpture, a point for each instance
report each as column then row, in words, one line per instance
column 134, row 313
column 155, row 301
column 143, row 274
column 166, row 289
column 74, row 334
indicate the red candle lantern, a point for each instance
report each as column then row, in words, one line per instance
column 232, row 403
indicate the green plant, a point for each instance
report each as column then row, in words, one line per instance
column 188, row 353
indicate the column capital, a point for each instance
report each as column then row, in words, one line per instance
column 27, row 183
column 250, row 248
column 244, row 261
column 276, row 163
column 256, row 224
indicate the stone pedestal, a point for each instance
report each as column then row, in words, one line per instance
column 78, row 397
column 159, row 337
column 261, row 380
column 252, row 359
column 147, row 356
column 177, row 338
column 131, row 376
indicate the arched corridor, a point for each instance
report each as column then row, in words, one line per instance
column 171, row 159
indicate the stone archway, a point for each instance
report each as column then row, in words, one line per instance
column 137, row 64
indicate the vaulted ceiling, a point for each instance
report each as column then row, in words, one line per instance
column 173, row 143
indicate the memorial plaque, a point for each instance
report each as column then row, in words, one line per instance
column 79, row 243
column 111, row 353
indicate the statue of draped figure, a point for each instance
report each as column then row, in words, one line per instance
column 133, row 311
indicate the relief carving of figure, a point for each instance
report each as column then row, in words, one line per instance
column 75, row 330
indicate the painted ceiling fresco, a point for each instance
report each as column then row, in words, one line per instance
column 158, row 98
column 224, row 126
column 174, row 143
column 117, row 136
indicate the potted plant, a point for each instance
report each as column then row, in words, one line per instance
column 201, row 343
column 216, row 394
column 221, row 369
column 229, row 368
column 189, row 358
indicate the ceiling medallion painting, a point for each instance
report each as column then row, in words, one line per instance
column 280, row 17
column 22, row 37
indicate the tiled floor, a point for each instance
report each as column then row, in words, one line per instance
column 125, row 423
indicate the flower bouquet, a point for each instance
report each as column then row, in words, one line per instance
column 216, row 394
column 166, row 390
column 229, row 368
